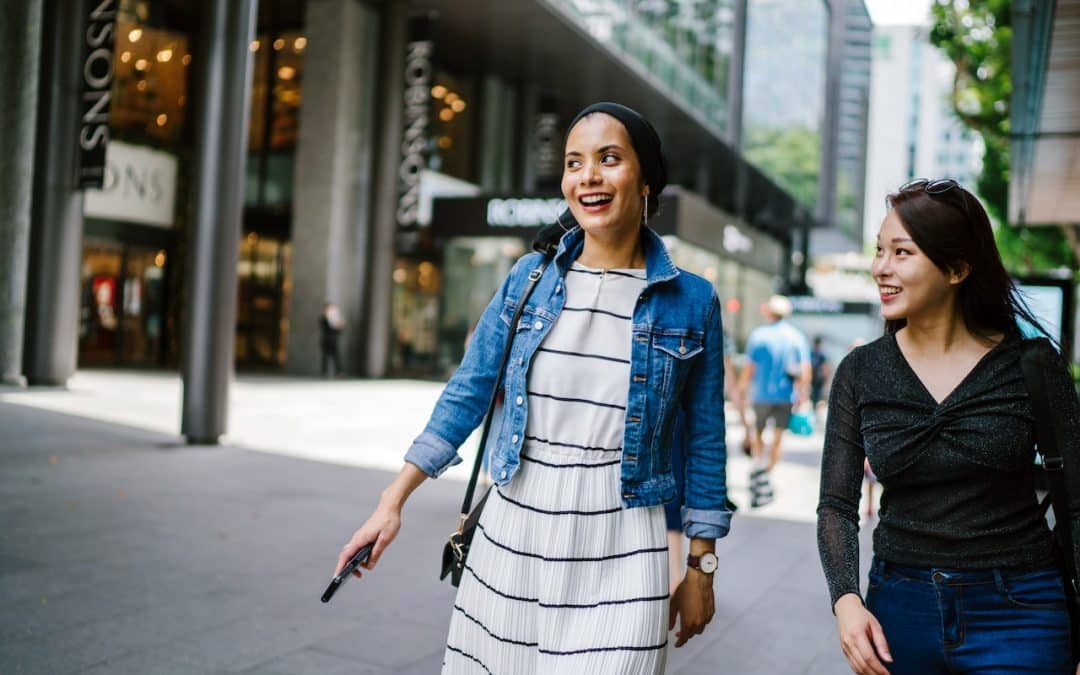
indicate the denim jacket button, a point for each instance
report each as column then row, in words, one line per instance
column 514, row 438
column 520, row 400
column 538, row 325
column 502, row 474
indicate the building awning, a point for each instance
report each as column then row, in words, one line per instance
column 1045, row 150
column 532, row 41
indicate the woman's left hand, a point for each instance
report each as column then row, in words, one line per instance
column 692, row 604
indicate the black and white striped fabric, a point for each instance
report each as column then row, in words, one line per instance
column 560, row 578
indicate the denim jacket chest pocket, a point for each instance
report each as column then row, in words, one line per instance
column 671, row 358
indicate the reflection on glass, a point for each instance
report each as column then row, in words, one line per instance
column 475, row 266
column 275, row 117
column 122, row 309
column 453, row 114
column 415, row 312
column 685, row 44
column 149, row 94
column 785, row 92
column 263, row 290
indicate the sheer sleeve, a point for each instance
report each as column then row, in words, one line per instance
column 841, row 486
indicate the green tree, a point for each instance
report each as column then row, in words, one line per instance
column 790, row 155
column 976, row 35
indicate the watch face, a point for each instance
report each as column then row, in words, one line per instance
column 708, row 563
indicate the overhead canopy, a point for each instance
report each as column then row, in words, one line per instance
column 1045, row 186
column 533, row 41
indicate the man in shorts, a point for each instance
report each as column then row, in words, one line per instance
column 777, row 375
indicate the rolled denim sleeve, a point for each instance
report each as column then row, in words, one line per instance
column 706, row 513
column 464, row 400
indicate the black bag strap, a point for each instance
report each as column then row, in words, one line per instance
column 1046, row 436
column 534, row 277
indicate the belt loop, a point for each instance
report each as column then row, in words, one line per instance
column 999, row 581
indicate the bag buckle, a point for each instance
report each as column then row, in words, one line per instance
column 535, row 274
column 1053, row 463
column 455, row 544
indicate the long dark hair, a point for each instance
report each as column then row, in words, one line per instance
column 953, row 230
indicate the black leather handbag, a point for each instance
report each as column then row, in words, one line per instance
column 457, row 548
column 1050, row 437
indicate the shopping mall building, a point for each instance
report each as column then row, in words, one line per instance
column 400, row 156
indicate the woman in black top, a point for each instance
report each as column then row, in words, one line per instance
column 964, row 577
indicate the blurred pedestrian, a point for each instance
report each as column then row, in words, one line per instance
column 330, row 326
column 568, row 570
column 819, row 371
column 964, row 577
column 775, row 378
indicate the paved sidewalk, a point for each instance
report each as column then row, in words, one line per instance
column 124, row 551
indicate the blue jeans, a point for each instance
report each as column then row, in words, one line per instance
column 974, row 621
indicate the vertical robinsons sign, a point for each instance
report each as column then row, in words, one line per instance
column 419, row 70
column 96, row 78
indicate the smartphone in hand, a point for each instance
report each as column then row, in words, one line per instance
column 357, row 560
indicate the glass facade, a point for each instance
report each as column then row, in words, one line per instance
column 275, row 117
column 784, row 92
column 132, row 292
column 453, row 124
column 685, row 44
column 122, row 307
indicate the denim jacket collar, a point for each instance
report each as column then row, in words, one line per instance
column 658, row 265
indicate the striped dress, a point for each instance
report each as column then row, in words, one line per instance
column 560, row 578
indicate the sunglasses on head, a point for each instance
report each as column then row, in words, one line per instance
column 931, row 187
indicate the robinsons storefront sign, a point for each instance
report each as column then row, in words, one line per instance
column 96, row 78
column 139, row 186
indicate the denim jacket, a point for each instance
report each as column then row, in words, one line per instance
column 676, row 362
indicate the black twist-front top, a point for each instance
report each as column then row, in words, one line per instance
column 958, row 489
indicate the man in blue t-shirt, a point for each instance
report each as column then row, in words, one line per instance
column 777, row 375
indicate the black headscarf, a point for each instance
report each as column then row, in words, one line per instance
column 646, row 144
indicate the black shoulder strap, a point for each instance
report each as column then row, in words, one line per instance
column 1034, row 367
column 534, row 277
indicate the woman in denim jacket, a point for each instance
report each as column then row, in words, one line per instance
column 567, row 572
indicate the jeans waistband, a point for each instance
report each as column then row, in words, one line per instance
column 955, row 577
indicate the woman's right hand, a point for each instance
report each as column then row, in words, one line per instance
column 861, row 637
column 381, row 527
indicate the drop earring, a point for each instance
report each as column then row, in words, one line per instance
column 646, row 211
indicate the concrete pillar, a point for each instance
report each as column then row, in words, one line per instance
column 393, row 28
column 20, row 31
column 51, row 342
column 736, row 77
column 332, row 204
column 221, row 117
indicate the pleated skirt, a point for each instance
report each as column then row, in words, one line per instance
column 560, row 578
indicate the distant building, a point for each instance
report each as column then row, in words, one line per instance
column 913, row 130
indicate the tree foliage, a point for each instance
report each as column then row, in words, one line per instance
column 976, row 35
column 790, row 155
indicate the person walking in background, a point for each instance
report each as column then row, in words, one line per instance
column 965, row 576
column 819, row 372
column 775, row 378
column 568, row 568
column 330, row 326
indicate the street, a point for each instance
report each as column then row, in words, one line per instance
column 122, row 550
